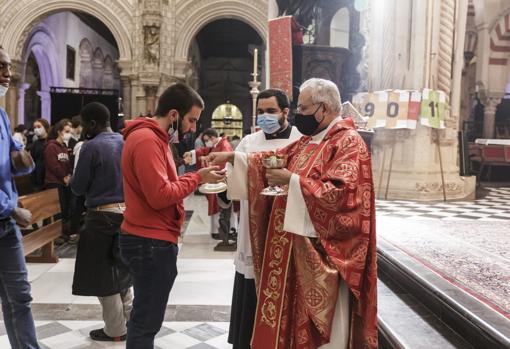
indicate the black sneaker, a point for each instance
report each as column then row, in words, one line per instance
column 99, row 335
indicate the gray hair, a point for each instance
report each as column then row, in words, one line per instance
column 323, row 91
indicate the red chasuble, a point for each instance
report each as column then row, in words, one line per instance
column 298, row 277
column 222, row 145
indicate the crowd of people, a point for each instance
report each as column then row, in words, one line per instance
column 121, row 198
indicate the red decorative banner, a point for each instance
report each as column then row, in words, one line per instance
column 280, row 54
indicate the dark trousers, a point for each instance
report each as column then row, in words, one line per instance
column 242, row 314
column 15, row 289
column 64, row 196
column 76, row 209
column 153, row 268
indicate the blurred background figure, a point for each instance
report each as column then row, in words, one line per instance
column 20, row 134
column 41, row 130
column 58, row 170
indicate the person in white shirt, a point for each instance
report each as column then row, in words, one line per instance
column 276, row 132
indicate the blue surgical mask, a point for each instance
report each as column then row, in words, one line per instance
column 269, row 123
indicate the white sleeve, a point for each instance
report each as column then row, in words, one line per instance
column 297, row 219
column 237, row 182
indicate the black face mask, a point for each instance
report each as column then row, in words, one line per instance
column 306, row 124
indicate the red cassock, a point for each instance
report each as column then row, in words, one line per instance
column 221, row 146
column 297, row 277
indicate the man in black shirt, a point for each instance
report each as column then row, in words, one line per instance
column 98, row 269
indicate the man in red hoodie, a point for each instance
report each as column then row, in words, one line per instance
column 154, row 213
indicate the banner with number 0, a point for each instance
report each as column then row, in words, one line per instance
column 396, row 109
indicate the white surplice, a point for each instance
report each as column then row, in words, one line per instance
column 297, row 221
column 254, row 142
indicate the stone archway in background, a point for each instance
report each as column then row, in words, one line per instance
column 20, row 16
column 499, row 58
column 40, row 46
column 191, row 19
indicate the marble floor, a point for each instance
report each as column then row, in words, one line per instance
column 473, row 254
column 198, row 308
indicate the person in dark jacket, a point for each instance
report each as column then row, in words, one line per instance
column 98, row 270
column 58, row 169
column 41, row 129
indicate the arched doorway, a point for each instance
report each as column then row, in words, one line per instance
column 223, row 56
column 340, row 29
column 228, row 119
column 63, row 70
column 32, row 104
column 18, row 24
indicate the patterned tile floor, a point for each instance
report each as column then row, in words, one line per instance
column 173, row 335
column 494, row 205
column 202, row 291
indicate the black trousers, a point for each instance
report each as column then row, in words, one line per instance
column 242, row 314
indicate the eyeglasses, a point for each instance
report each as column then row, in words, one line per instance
column 300, row 108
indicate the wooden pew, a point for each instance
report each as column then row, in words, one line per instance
column 44, row 206
column 489, row 155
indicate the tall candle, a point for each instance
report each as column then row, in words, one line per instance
column 255, row 65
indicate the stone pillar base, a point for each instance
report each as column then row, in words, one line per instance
column 426, row 186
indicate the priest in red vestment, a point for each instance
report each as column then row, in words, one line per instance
column 314, row 250
column 222, row 216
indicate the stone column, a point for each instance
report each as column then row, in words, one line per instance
column 45, row 104
column 126, row 96
column 21, row 101
column 489, row 117
column 11, row 101
column 136, row 108
column 150, row 98
column 415, row 166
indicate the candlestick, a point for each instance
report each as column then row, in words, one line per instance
column 255, row 65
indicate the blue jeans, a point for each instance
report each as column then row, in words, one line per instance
column 15, row 289
column 153, row 268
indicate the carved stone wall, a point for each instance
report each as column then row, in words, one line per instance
column 154, row 38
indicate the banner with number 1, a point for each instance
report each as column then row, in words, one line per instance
column 432, row 109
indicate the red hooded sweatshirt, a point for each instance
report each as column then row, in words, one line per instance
column 152, row 190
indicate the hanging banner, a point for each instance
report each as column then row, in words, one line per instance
column 396, row 109
column 433, row 105
column 280, row 54
column 414, row 109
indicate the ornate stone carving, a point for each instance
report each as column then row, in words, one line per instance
column 151, row 44
column 436, row 187
column 19, row 17
column 446, row 45
column 152, row 5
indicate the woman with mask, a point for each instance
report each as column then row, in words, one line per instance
column 59, row 168
column 41, row 129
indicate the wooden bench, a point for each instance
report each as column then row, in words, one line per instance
column 44, row 206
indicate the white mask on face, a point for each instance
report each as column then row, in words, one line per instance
column 66, row 137
column 39, row 131
column 3, row 90
column 209, row 144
